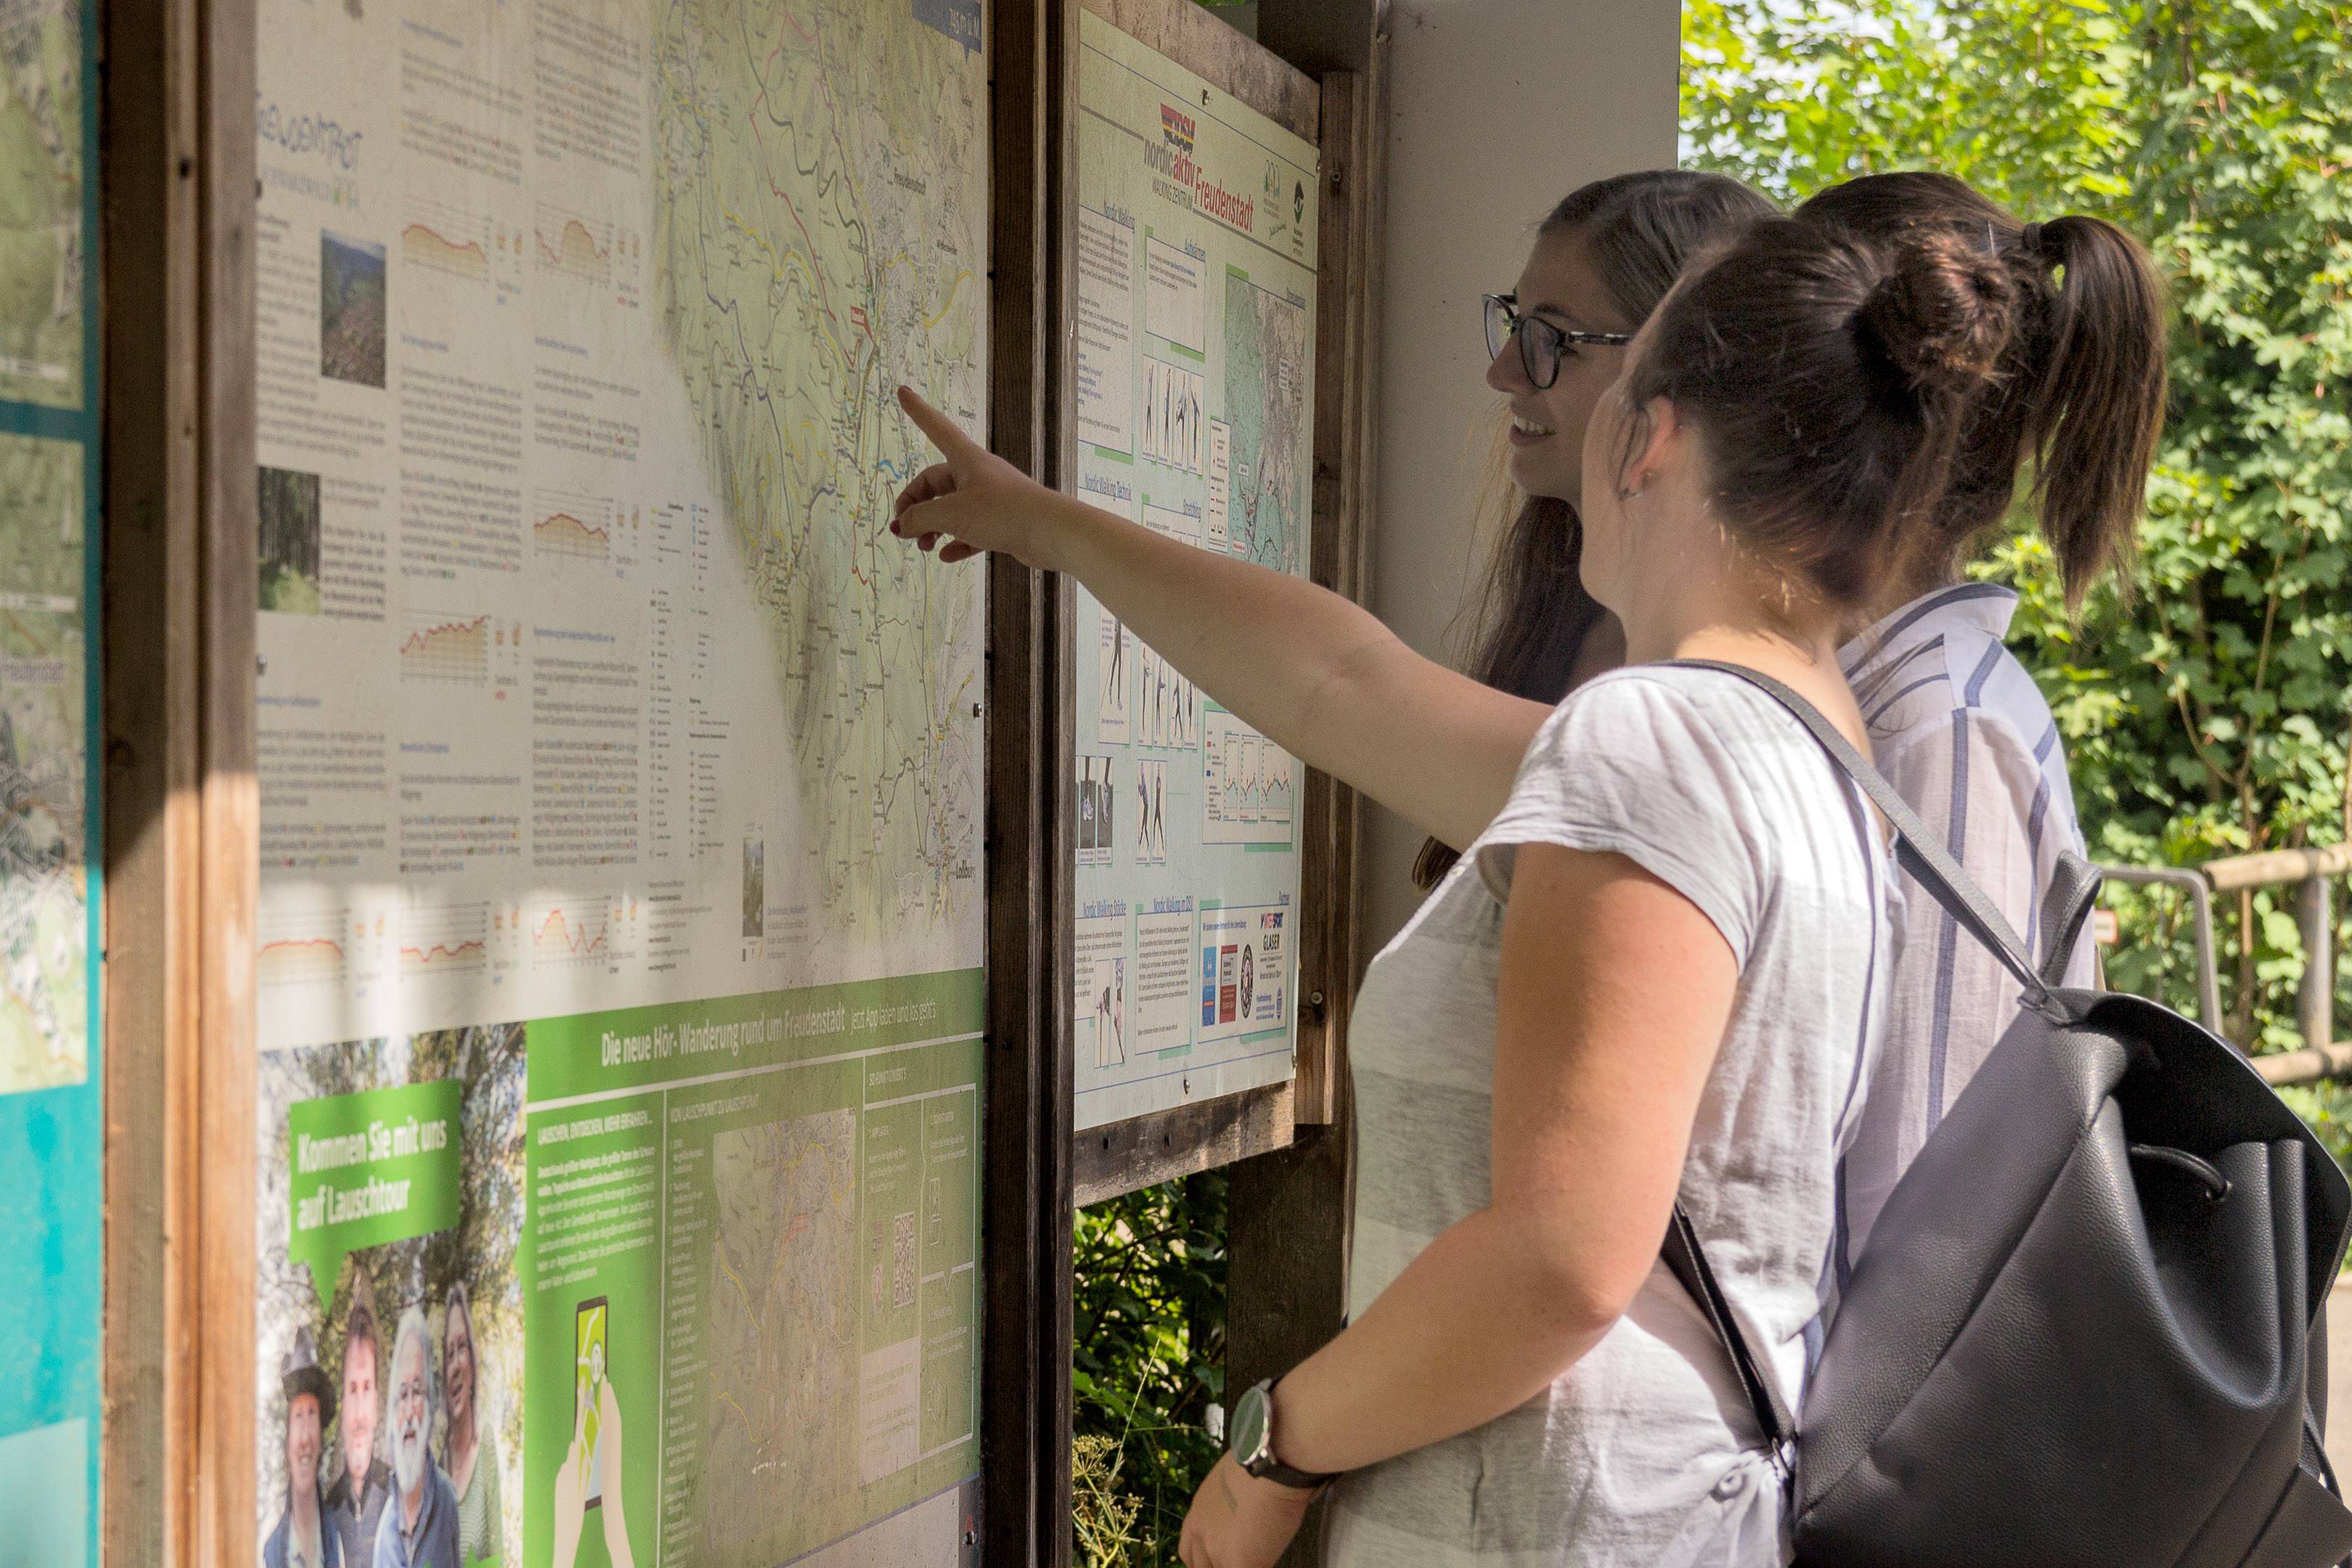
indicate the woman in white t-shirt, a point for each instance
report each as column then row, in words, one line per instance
column 1657, row 973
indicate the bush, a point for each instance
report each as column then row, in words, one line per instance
column 1148, row 1360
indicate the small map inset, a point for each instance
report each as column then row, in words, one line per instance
column 44, row 886
column 42, row 253
column 1265, row 403
column 782, row 1352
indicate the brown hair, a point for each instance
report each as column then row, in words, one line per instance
column 2080, row 387
column 1831, row 381
column 1640, row 230
column 361, row 1325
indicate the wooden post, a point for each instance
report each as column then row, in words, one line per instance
column 1026, row 1261
column 150, row 286
column 2315, row 1003
column 176, row 249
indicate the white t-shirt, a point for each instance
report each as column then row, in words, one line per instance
column 1961, row 731
column 1644, row 1452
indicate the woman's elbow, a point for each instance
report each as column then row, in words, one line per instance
column 1580, row 1298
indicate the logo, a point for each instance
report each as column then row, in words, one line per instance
column 1176, row 128
column 1298, row 202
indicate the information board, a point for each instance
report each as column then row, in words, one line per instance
column 620, row 924
column 1195, row 316
column 52, row 1131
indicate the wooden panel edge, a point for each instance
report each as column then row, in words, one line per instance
column 1144, row 1150
column 148, row 297
column 1239, row 65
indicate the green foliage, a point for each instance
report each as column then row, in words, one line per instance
column 2205, row 710
column 1147, row 1359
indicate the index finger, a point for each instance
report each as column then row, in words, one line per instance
column 945, row 432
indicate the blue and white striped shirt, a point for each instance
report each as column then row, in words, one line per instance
column 1959, row 728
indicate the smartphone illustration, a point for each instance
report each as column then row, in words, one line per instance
column 589, row 1336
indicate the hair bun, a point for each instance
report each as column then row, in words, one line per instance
column 1939, row 316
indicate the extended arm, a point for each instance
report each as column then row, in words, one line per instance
column 1320, row 676
column 1613, row 995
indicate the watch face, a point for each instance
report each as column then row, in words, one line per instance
column 1249, row 1426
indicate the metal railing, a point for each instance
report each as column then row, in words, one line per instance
column 2310, row 872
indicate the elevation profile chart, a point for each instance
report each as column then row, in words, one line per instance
column 622, row 785
column 1194, row 417
column 439, row 646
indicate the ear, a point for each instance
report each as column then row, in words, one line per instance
column 1663, row 429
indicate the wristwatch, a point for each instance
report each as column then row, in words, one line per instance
column 1253, row 1441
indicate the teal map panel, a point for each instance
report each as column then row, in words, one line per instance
column 51, row 1135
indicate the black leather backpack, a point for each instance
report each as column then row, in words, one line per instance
column 2082, row 1328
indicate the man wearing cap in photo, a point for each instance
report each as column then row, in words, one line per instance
column 302, row 1538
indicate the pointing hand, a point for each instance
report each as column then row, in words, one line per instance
column 973, row 501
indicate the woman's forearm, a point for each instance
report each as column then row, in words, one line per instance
column 1475, row 1326
column 1319, row 675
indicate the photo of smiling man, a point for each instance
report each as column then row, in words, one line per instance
column 419, row 1529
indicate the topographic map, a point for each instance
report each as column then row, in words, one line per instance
column 813, row 249
column 41, row 250
column 782, row 1352
column 1265, row 381
column 44, row 899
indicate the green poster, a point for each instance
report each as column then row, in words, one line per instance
column 770, row 1261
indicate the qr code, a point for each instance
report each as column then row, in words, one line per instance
column 902, row 1260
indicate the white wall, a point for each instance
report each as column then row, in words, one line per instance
column 1497, row 108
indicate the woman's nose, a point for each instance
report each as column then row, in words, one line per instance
column 1504, row 373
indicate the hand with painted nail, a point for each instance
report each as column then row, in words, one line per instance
column 972, row 500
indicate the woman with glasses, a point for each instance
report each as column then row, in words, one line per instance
column 1601, row 260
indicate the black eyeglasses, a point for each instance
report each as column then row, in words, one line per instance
column 1541, row 344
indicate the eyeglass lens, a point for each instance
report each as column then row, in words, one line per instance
column 1538, row 341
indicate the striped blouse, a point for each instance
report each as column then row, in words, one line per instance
column 1960, row 730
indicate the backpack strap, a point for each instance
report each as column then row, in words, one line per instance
column 1683, row 1255
column 1941, row 876
column 1915, row 848
column 2074, row 892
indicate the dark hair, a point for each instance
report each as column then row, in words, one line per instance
column 361, row 1325
column 1830, row 380
column 2080, row 387
column 1640, row 230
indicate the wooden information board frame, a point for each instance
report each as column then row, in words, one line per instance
column 177, row 255
column 1162, row 1145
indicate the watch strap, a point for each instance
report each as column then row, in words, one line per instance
column 1269, row 1469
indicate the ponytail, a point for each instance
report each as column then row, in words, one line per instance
column 2080, row 390
column 2099, row 401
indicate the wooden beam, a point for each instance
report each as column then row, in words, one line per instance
column 1199, row 1135
column 228, row 593
column 150, row 283
column 2271, row 867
